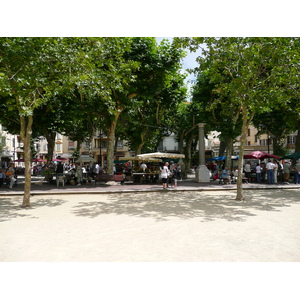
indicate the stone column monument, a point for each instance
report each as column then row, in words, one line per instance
column 202, row 173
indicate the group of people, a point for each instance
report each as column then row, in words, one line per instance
column 272, row 170
column 269, row 172
column 80, row 171
column 8, row 176
column 170, row 175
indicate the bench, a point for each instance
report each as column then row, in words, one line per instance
column 106, row 177
column 39, row 181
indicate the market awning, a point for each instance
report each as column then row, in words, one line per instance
column 219, row 158
column 295, row 155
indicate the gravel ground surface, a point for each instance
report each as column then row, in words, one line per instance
column 186, row 226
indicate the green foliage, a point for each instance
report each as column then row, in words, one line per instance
column 158, row 88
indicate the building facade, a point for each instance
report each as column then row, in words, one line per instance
column 97, row 147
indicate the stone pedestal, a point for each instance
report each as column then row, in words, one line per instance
column 202, row 174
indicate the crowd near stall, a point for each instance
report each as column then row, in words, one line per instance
column 156, row 168
column 259, row 167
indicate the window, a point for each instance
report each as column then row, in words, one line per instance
column 291, row 139
column 58, row 136
column 262, row 142
column 71, row 145
column 248, row 132
column 58, row 147
column 249, row 143
column 120, row 144
column 103, row 144
column 3, row 140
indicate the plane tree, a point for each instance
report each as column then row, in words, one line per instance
column 36, row 71
column 256, row 68
column 29, row 76
column 148, row 94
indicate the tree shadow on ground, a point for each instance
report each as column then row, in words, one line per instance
column 184, row 205
column 11, row 207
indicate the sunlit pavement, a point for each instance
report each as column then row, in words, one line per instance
column 127, row 225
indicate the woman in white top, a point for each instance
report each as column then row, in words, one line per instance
column 164, row 175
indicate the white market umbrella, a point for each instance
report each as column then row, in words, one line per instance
column 161, row 155
column 137, row 158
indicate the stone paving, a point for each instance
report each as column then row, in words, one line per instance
column 144, row 223
column 188, row 184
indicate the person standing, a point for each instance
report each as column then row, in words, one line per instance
column 179, row 172
column 11, row 175
column 258, row 173
column 78, row 174
column 59, row 169
column 297, row 172
column 1, row 177
column 96, row 170
column 248, row 170
column 286, row 172
column 143, row 166
column 164, row 175
column 173, row 177
column 270, row 172
column 276, row 171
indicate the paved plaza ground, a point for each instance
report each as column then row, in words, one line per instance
column 146, row 224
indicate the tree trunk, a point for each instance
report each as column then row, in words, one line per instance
column 297, row 146
column 138, row 149
column 26, row 131
column 246, row 121
column 111, row 142
column 50, row 137
column 223, row 146
column 229, row 151
column 181, row 150
column 189, row 143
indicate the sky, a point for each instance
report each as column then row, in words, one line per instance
column 189, row 62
